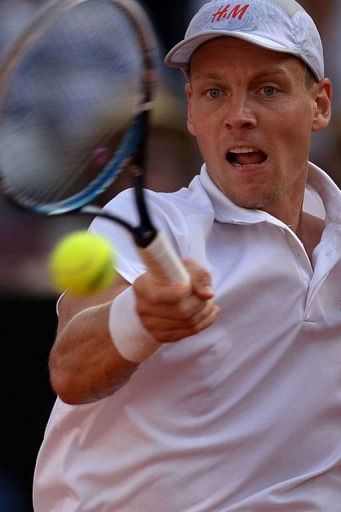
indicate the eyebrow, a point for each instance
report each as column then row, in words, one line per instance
column 262, row 74
column 271, row 71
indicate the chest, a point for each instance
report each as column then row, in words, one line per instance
column 262, row 276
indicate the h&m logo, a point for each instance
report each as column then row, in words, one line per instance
column 227, row 11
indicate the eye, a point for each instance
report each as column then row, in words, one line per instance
column 269, row 90
column 213, row 93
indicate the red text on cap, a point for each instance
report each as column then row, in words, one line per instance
column 226, row 11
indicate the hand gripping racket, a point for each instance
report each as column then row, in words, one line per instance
column 76, row 90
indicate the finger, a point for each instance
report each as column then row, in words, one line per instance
column 182, row 310
column 201, row 280
column 173, row 334
column 150, row 291
column 157, row 325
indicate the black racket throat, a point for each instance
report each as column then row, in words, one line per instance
column 143, row 234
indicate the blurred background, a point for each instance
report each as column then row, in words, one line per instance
column 28, row 318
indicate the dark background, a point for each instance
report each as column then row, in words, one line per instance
column 27, row 332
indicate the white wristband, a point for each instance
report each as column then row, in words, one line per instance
column 129, row 336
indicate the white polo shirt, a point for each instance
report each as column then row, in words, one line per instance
column 244, row 416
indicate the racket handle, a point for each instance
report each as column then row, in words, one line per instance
column 163, row 262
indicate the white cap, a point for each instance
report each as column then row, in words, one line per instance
column 279, row 25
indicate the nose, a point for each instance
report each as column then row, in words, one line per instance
column 239, row 113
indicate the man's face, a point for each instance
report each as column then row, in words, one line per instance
column 252, row 115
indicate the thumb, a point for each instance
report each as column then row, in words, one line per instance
column 201, row 280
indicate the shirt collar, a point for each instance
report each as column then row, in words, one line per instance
column 320, row 187
column 224, row 209
column 327, row 192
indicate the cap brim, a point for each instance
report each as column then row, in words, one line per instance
column 181, row 54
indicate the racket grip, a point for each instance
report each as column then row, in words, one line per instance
column 163, row 262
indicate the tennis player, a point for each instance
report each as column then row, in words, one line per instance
column 223, row 395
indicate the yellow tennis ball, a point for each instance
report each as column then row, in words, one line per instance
column 82, row 263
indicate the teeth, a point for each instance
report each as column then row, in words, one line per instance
column 243, row 150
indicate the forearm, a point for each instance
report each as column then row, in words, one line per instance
column 84, row 363
column 100, row 341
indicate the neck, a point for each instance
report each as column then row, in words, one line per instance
column 307, row 227
column 309, row 231
column 289, row 210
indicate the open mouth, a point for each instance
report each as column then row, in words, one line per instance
column 245, row 157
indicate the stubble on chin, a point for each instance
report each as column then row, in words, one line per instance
column 256, row 203
column 253, row 200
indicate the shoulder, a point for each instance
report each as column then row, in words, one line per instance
column 166, row 208
column 180, row 215
column 184, row 198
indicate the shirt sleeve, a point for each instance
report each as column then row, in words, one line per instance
column 165, row 216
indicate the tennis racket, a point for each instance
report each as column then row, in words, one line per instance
column 76, row 91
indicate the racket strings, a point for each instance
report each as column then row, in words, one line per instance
column 69, row 102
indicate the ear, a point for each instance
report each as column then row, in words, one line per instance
column 189, row 95
column 323, row 93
